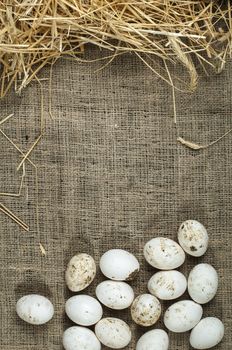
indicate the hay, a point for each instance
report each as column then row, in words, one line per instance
column 34, row 33
column 12, row 216
column 196, row 147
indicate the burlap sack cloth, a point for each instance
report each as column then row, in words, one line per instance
column 111, row 174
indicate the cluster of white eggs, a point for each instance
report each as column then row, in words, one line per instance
column 120, row 266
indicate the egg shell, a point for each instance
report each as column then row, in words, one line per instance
column 113, row 332
column 119, row 265
column 80, row 272
column 164, row 253
column 35, row 309
column 80, row 338
column 145, row 310
column 115, row 295
column 182, row 316
column 167, row 285
column 156, row 339
column 193, row 237
column 83, row 309
column 207, row 333
column 203, row 283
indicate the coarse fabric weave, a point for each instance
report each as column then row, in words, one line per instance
column 110, row 174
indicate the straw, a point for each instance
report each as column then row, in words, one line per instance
column 34, row 33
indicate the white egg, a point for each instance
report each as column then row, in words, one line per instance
column 156, row 339
column 145, row 310
column 80, row 338
column 167, row 285
column 115, row 295
column 80, row 272
column 182, row 316
column 35, row 309
column 193, row 237
column 119, row 265
column 113, row 332
column 207, row 333
column 203, row 283
column 83, row 310
column 164, row 253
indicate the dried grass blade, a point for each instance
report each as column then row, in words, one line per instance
column 11, row 215
column 189, row 144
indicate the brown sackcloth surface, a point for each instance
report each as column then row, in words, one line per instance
column 111, row 174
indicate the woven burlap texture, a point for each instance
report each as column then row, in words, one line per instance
column 111, row 175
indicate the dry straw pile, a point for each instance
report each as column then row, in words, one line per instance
column 36, row 32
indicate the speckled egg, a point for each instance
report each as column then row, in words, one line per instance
column 193, row 237
column 35, row 309
column 203, row 283
column 80, row 272
column 114, row 294
column 182, row 316
column 164, row 253
column 167, row 285
column 113, row 332
column 145, row 310
column 80, row 338
column 207, row 333
column 119, row 265
column 156, row 339
column 83, row 310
